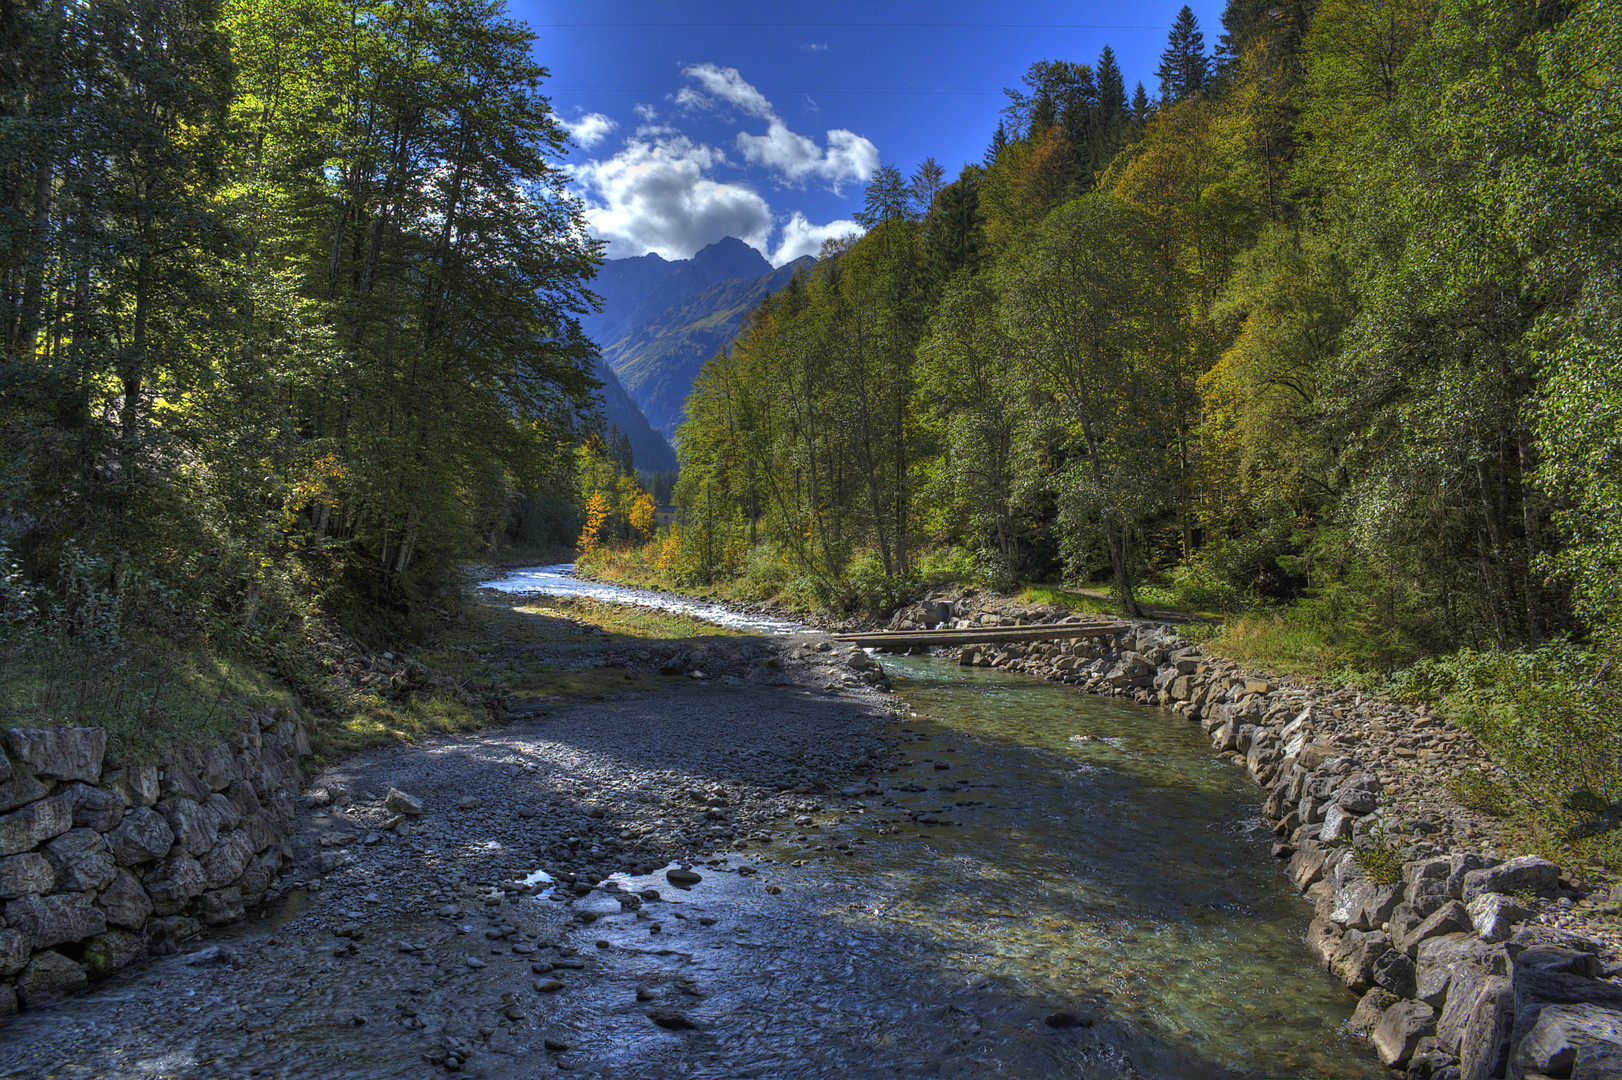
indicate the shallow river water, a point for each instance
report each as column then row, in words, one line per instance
column 1052, row 885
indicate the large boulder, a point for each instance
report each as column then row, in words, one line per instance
column 228, row 858
column 55, row 920
column 48, row 974
column 1525, row 874
column 1494, row 915
column 195, row 826
column 1559, row 1033
column 106, row 953
column 1450, row 918
column 25, row 829
column 29, row 872
column 137, row 785
column 21, row 789
column 96, row 807
column 142, row 837
column 60, row 753
column 125, row 903
column 1401, row 1027
column 81, row 859
column 173, row 883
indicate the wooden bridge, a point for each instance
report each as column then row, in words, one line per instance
column 896, row 640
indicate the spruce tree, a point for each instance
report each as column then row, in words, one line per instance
column 1184, row 68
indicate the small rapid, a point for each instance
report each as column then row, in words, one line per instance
column 560, row 579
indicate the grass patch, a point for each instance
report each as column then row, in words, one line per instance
column 1286, row 646
column 1067, row 598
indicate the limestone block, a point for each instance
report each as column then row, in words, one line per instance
column 124, row 902
column 1401, row 1027
column 21, row 789
column 173, row 883
column 1337, row 824
column 1473, row 991
column 227, row 860
column 96, row 807
column 48, row 975
column 1527, row 873
column 1354, row 961
column 106, row 953
column 23, row 830
column 1494, row 915
column 15, row 947
column 1560, row 1031
column 179, row 780
column 1462, row 863
column 399, row 802
column 242, row 796
column 141, row 837
column 138, row 785
column 1450, row 919
column 164, row 935
column 218, row 767
column 1370, row 1007
column 220, row 906
column 226, row 814
column 81, row 859
column 1395, row 972
column 195, row 828
column 29, row 872
column 60, row 753
column 55, row 920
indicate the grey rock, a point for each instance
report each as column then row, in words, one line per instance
column 137, row 785
column 1451, row 918
column 141, row 837
column 243, row 797
column 1370, row 1007
column 1525, row 874
column 60, row 754
column 81, row 859
column 124, row 902
column 196, row 828
column 399, row 802
column 1465, row 1000
column 1552, row 1045
column 171, row 884
column 106, row 953
column 96, row 807
column 1593, row 1062
column 23, row 830
column 1401, row 1027
column 21, row 789
column 49, row 974
column 29, row 872
column 1354, row 961
column 1437, row 958
column 1306, row 866
column 164, row 935
column 220, row 906
column 1425, row 870
column 1395, row 972
column 179, row 780
column 226, row 861
column 1541, row 977
column 225, row 813
column 1461, row 863
column 15, row 948
column 1337, row 825
column 55, row 920
column 218, row 767
column 1494, row 915
column 682, row 876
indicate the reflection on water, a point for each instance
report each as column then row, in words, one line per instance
column 560, row 580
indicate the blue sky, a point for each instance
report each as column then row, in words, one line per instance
column 763, row 120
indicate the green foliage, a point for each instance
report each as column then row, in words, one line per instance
column 1380, row 856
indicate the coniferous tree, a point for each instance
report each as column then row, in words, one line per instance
column 1184, row 68
column 999, row 139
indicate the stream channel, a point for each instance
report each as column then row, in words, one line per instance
column 1050, row 885
column 1077, row 858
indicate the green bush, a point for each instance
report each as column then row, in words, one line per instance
column 874, row 591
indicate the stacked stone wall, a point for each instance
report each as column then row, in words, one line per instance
column 101, row 865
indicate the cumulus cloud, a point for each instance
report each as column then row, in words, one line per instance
column 654, row 195
column 794, row 157
column 800, row 237
column 590, row 129
column 798, row 158
column 646, row 112
column 719, row 84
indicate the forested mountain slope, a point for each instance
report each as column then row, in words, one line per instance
column 662, row 319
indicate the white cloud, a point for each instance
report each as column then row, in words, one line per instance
column 590, row 129
column 798, row 158
column 814, row 47
column 800, row 237
column 656, row 196
column 723, row 84
column 646, row 112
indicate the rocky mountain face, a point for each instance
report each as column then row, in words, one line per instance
column 662, row 319
column 649, row 450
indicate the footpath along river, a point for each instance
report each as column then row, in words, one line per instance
column 1049, row 885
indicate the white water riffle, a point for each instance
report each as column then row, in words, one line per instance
column 560, row 580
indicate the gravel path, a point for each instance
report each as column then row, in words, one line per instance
column 419, row 943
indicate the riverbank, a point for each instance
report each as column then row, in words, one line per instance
column 1424, row 907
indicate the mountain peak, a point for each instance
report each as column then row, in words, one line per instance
column 729, row 258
